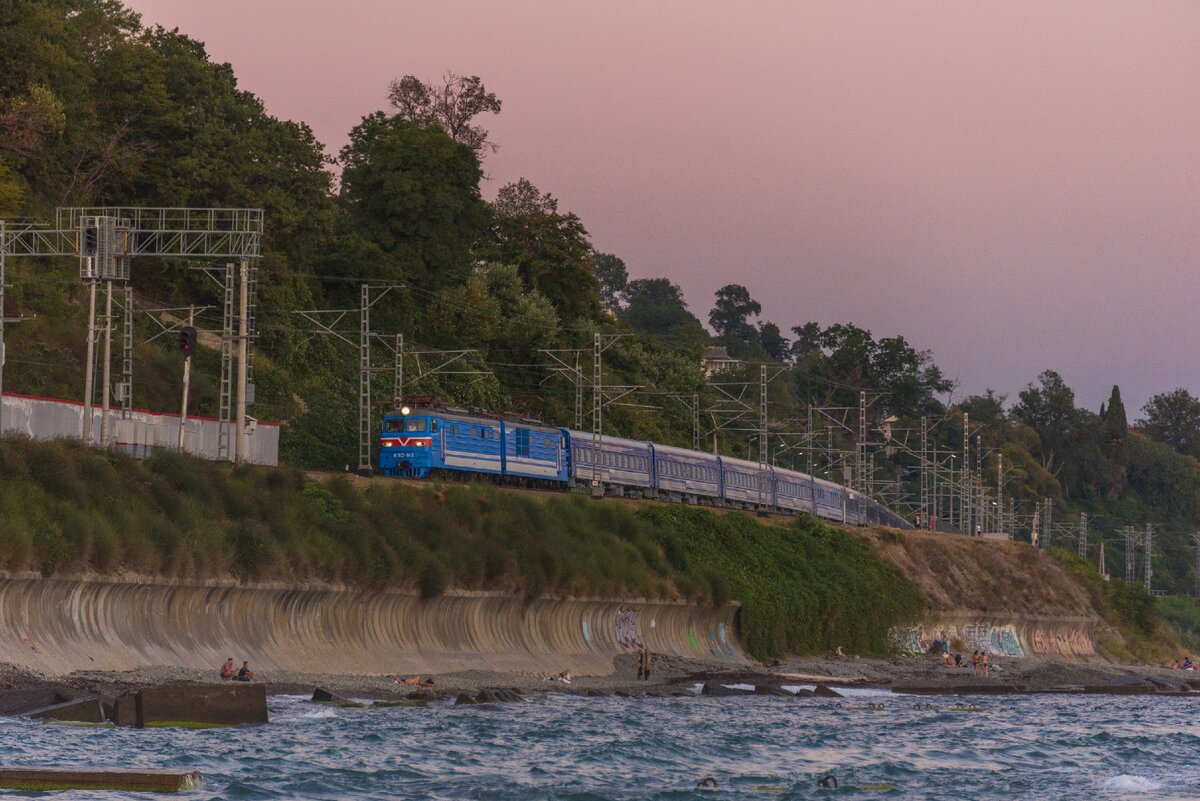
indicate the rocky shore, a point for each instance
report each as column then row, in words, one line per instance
column 22, row 690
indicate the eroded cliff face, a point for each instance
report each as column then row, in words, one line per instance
column 59, row 625
column 963, row 574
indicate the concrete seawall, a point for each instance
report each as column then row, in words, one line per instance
column 61, row 625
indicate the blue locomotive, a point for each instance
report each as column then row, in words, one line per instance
column 430, row 441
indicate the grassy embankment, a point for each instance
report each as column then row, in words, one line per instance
column 804, row 588
column 1147, row 635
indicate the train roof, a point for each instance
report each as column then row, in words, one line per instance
column 671, row 450
column 586, row 437
column 743, row 464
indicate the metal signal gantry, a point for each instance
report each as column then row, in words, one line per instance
column 105, row 239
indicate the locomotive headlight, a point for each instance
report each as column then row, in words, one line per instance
column 404, row 410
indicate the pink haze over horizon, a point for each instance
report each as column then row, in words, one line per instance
column 1012, row 186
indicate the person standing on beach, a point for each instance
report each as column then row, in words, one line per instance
column 984, row 664
column 975, row 663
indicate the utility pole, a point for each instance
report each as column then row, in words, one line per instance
column 228, row 296
column 1196, row 577
column 1129, row 555
column 964, row 520
column 925, row 471
column 762, row 438
column 242, row 347
column 106, row 383
column 1149, row 571
column 364, row 381
column 127, row 357
column 980, row 518
column 88, row 388
column 187, row 381
column 695, row 421
column 3, row 355
column 398, row 388
column 597, row 411
column 1000, row 491
column 860, row 467
column 1083, row 535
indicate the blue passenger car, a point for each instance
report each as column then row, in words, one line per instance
column 686, row 475
column 744, row 484
column 795, row 491
column 624, row 466
column 828, row 502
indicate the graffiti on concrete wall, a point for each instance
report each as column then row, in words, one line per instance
column 1006, row 639
column 628, row 635
column 1072, row 642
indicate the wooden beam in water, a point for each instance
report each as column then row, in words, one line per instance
column 45, row 779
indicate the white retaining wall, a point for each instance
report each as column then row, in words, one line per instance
column 140, row 435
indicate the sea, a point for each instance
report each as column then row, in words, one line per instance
column 554, row 746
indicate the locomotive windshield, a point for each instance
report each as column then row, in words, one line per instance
column 416, row 425
column 392, row 426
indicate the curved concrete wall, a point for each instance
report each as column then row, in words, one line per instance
column 60, row 625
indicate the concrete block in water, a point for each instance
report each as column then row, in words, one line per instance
column 48, row 779
column 22, row 702
column 80, row 710
column 821, row 691
column 202, row 705
column 769, row 689
column 125, row 710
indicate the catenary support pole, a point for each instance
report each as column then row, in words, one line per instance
column 187, row 378
column 89, row 379
column 106, row 382
column 239, row 431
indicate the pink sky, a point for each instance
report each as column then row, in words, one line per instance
column 1012, row 185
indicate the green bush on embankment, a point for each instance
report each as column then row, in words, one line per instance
column 804, row 588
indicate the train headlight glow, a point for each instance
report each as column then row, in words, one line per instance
column 405, row 410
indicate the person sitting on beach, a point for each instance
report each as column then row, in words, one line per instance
column 227, row 670
column 1187, row 664
column 839, row 653
column 244, row 673
column 957, row 659
column 565, row 677
column 411, row 681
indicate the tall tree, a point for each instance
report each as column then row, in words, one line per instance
column 773, row 342
column 1115, row 423
column 452, row 106
column 1049, row 409
column 1173, row 418
column 731, row 313
column 656, row 307
column 549, row 248
column 612, row 276
column 413, row 191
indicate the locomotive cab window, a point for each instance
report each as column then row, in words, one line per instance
column 392, row 426
column 415, row 425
